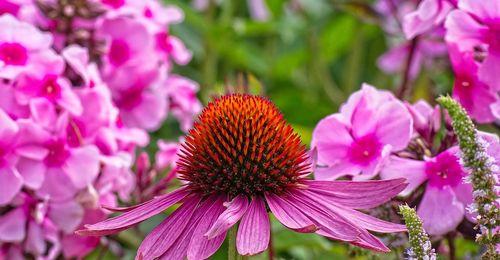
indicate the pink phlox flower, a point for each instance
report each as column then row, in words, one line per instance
column 446, row 196
column 358, row 140
column 428, row 14
column 184, row 105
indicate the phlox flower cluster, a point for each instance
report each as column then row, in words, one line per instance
column 376, row 135
column 464, row 30
column 81, row 85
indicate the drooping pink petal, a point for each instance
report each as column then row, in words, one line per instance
column 440, row 210
column 69, row 100
column 166, row 233
column 66, row 215
column 359, row 194
column 369, row 241
column 134, row 216
column 12, row 225
column 288, row 215
column 366, row 221
column 412, row 170
column 200, row 247
column 330, row 223
column 254, row 230
column 179, row 249
column 11, row 182
column 235, row 210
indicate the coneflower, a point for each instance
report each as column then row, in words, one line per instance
column 240, row 160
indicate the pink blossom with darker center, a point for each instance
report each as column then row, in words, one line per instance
column 444, row 170
column 130, row 98
column 13, row 54
column 364, row 150
column 119, row 52
column 49, row 88
column 58, row 153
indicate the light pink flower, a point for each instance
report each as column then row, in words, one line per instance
column 166, row 157
column 446, row 197
column 184, row 105
column 474, row 28
column 222, row 188
column 358, row 140
column 429, row 14
column 22, row 47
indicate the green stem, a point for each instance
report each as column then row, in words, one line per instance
column 232, row 252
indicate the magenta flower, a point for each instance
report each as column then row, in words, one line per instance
column 474, row 95
column 240, row 158
column 474, row 28
column 358, row 140
column 446, row 197
column 9, row 175
column 22, row 47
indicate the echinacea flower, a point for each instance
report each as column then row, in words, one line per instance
column 358, row 140
column 239, row 159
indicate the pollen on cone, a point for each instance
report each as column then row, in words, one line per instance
column 241, row 144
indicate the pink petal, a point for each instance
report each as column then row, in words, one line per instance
column 488, row 9
column 180, row 53
column 412, row 170
column 490, row 67
column 8, row 128
column 34, row 152
column 66, row 215
column 357, row 194
column 464, row 194
column 391, row 116
column 35, row 241
column 235, row 210
column 179, row 249
column 77, row 57
column 32, row 171
column 330, row 224
column 69, row 100
column 12, row 225
column 369, row 241
column 440, row 210
column 254, row 230
column 368, row 222
column 43, row 112
column 11, row 182
column 288, row 215
column 463, row 30
column 200, row 247
column 166, row 233
column 57, row 185
column 332, row 139
column 82, row 166
column 134, row 216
